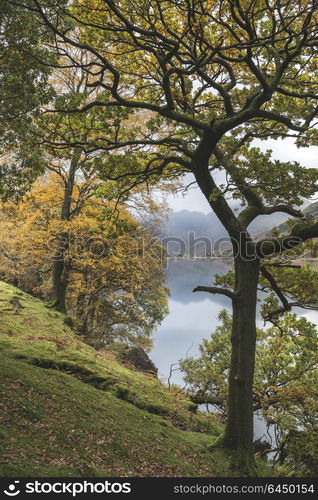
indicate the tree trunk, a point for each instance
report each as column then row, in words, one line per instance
column 238, row 434
column 60, row 271
column 239, row 427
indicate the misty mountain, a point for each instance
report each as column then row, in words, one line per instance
column 194, row 232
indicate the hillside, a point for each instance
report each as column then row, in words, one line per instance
column 309, row 211
column 68, row 410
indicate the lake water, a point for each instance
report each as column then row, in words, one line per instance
column 192, row 317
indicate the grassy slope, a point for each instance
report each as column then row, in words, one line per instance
column 66, row 409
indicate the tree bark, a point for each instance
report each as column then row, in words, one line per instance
column 239, row 427
column 60, row 270
column 59, row 279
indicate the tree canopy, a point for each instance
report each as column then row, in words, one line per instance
column 24, row 89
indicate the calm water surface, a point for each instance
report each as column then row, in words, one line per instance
column 192, row 317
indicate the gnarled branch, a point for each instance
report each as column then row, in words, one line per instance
column 216, row 290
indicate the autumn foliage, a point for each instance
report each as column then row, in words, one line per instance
column 115, row 283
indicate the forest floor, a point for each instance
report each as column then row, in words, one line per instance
column 69, row 410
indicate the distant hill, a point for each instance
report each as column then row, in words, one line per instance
column 312, row 209
column 198, row 233
column 188, row 226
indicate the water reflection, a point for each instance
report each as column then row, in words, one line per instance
column 193, row 316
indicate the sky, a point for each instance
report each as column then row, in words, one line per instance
column 284, row 150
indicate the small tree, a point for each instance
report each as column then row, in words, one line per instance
column 80, row 168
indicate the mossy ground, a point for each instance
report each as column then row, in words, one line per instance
column 68, row 410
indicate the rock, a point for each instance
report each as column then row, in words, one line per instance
column 139, row 359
